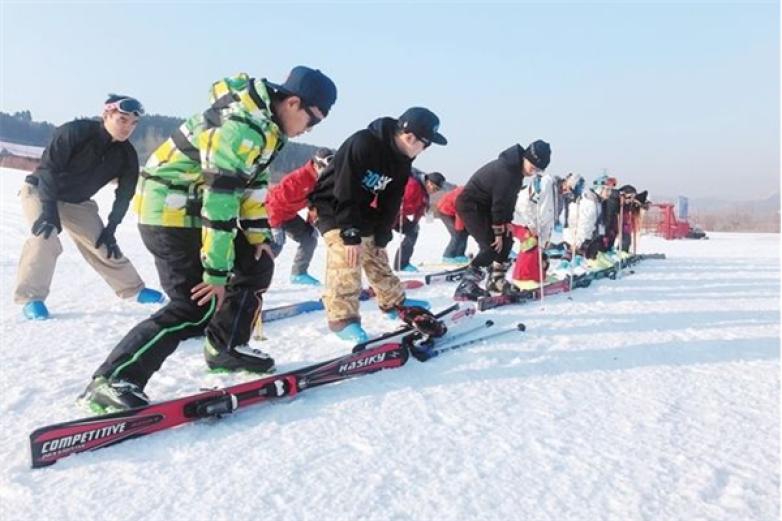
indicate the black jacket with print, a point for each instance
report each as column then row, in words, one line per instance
column 362, row 189
column 81, row 159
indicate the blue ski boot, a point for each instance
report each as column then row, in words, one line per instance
column 353, row 332
column 458, row 260
column 35, row 310
column 150, row 296
column 304, row 279
column 408, row 303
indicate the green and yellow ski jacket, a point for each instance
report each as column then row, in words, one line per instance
column 212, row 173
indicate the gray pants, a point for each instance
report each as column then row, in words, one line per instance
column 301, row 232
column 39, row 255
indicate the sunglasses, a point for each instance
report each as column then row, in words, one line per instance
column 314, row 119
column 126, row 106
column 425, row 141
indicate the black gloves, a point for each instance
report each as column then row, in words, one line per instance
column 48, row 220
column 351, row 236
column 106, row 238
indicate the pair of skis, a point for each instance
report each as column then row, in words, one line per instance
column 522, row 296
column 564, row 285
column 51, row 443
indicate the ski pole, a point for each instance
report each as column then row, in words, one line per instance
column 573, row 243
column 460, row 334
column 540, row 251
column 436, row 352
column 621, row 235
column 421, row 349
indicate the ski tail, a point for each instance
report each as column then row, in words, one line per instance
column 291, row 310
column 446, row 275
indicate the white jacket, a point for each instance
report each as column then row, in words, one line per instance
column 537, row 211
column 583, row 217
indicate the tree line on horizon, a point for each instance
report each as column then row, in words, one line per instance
column 152, row 130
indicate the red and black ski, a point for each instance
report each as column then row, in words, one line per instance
column 54, row 442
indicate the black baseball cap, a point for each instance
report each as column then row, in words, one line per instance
column 423, row 123
column 311, row 85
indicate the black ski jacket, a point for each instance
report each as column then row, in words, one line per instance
column 80, row 160
column 360, row 192
column 496, row 185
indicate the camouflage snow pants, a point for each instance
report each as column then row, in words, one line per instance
column 343, row 283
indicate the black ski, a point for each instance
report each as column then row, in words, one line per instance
column 446, row 275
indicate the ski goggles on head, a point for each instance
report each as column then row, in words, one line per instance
column 126, row 106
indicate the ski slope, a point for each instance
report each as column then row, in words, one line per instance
column 654, row 397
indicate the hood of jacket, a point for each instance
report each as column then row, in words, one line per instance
column 513, row 156
column 384, row 129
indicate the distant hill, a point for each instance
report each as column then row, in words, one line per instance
column 153, row 129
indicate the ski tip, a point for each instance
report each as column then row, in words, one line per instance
column 521, row 327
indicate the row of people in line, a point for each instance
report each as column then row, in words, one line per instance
column 592, row 220
column 546, row 202
column 202, row 204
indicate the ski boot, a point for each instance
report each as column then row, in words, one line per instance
column 408, row 302
column 469, row 287
column 352, row 332
column 35, row 310
column 237, row 358
column 458, row 260
column 422, row 320
column 106, row 395
column 498, row 284
column 304, row 279
column 150, row 296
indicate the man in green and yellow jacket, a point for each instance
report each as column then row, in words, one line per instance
column 200, row 200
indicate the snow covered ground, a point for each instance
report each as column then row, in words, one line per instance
column 654, row 397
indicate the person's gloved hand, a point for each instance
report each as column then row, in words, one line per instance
column 48, row 221
column 502, row 233
column 107, row 239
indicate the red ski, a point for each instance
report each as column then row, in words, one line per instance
column 54, row 442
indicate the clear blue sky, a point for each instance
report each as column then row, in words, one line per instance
column 676, row 98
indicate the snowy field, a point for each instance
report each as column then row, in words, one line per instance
column 654, row 397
